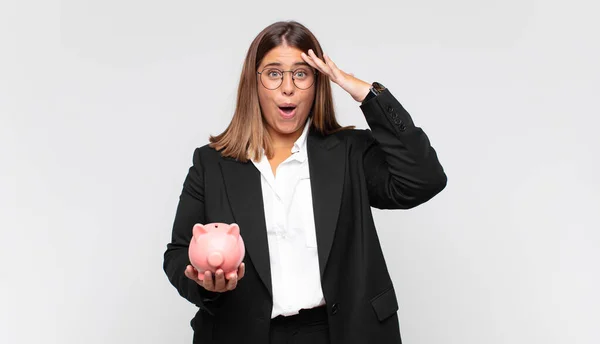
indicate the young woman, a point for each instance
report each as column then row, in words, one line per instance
column 301, row 188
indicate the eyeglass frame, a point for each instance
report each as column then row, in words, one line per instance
column 282, row 76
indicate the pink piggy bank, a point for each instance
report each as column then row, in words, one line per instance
column 216, row 246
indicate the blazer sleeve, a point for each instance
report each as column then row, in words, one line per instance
column 190, row 211
column 402, row 169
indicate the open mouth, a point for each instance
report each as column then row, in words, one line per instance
column 287, row 111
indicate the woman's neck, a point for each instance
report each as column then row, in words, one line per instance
column 279, row 141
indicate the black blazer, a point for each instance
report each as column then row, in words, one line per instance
column 390, row 166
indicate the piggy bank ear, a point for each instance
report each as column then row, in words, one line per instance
column 199, row 229
column 234, row 229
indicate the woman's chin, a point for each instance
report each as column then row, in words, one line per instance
column 288, row 128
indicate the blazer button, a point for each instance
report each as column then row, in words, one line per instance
column 390, row 108
column 334, row 308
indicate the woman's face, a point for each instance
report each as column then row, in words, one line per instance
column 286, row 107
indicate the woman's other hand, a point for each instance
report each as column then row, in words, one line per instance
column 217, row 284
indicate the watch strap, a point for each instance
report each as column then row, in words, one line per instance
column 374, row 91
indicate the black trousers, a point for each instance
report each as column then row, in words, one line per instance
column 308, row 327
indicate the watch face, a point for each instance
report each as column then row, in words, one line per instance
column 378, row 87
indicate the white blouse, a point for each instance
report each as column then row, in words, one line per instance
column 291, row 232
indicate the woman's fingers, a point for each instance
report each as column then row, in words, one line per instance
column 326, row 66
column 192, row 273
column 232, row 282
column 216, row 282
column 335, row 71
column 309, row 60
column 220, row 283
column 322, row 65
column 315, row 62
column 209, row 283
column 241, row 271
column 189, row 273
column 329, row 62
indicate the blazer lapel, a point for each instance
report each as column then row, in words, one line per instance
column 243, row 186
column 327, row 164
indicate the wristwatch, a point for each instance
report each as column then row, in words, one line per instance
column 374, row 91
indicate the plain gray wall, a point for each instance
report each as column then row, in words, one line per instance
column 103, row 102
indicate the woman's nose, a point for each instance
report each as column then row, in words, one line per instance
column 287, row 85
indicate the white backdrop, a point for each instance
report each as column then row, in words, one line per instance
column 103, row 102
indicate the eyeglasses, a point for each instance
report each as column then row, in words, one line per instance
column 272, row 78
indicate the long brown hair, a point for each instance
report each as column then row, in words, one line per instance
column 246, row 136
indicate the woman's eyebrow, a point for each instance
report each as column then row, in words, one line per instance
column 279, row 64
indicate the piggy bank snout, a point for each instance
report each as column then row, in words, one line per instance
column 215, row 259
